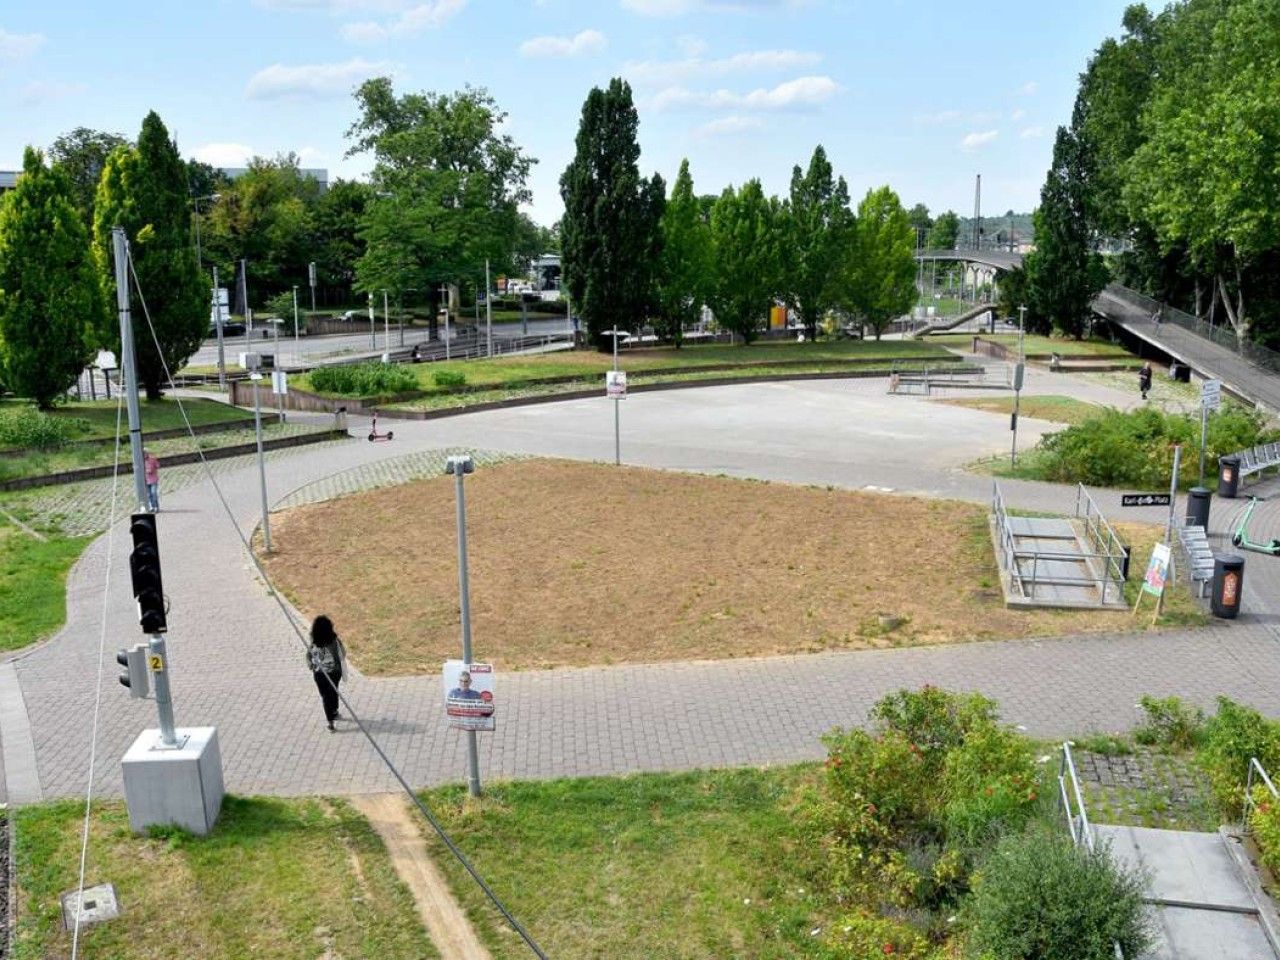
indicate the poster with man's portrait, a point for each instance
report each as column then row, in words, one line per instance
column 468, row 695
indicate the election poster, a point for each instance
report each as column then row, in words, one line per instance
column 468, row 695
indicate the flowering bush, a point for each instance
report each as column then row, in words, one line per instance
column 859, row 937
column 1231, row 737
column 1264, row 823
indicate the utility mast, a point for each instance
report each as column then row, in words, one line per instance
column 977, row 214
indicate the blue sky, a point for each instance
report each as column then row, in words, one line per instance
column 919, row 95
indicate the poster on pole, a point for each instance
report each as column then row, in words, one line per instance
column 468, row 695
column 615, row 384
column 279, row 382
column 1157, row 570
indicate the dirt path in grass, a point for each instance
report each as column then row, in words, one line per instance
column 447, row 925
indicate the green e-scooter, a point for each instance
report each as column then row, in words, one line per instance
column 1241, row 537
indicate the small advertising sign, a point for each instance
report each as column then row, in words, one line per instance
column 615, row 384
column 279, row 382
column 1157, row 570
column 468, row 695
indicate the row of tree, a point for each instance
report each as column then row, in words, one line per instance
column 632, row 253
column 57, row 269
column 1171, row 156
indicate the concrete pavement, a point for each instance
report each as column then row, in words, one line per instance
column 237, row 663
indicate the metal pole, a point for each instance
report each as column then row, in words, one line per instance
column 297, row 344
column 488, row 308
column 217, row 312
column 1017, row 389
column 164, row 701
column 386, row 324
column 129, row 363
column 248, row 314
column 262, row 467
column 617, row 435
column 444, row 298
column 464, row 591
column 373, row 330
column 1173, row 495
column 1204, row 426
column 275, row 339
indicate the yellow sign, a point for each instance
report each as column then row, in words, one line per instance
column 155, row 662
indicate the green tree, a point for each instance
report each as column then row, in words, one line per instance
column 945, row 232
column 1014, row 293
column 921, row 222
column 611, row 234
column 264, row 217
column 336, row 246
column 745, row 236
column 447, row 187
column 819, row 227
column 1064, row 274
column 144, row 190
column 880, row 267
column 81, row 154
column 50, row 299
column 686, row 270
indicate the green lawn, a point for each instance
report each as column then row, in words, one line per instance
column 1052, row 408
column 33, row 577
column 43, row 463
column 589, row 365
column 279, row 879
column 702, row 865
column 164, row 414
column 1036, row 345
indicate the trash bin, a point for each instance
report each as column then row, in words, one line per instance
column 1228, row 477
column 1228, row 585
column 1126, row 556
column 1198, row 507
column 267, row 361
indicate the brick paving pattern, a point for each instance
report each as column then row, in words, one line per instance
column 237, row 663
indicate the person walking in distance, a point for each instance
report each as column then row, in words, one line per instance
column 1144, row 379
column 327, row 658
column 151, row 473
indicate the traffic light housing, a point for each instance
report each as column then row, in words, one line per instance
column 144, row 565
column 135, row 675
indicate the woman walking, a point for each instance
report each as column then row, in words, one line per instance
column 327, row 659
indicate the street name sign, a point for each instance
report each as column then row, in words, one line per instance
column 1144, row 500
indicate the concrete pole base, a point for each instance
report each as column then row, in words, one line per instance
column 174, row 786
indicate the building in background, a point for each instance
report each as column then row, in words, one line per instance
column 8, row 180
column 319, row 174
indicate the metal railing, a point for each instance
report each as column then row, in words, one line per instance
column 1221, row 334
column 1078, row 820
column 1102, row 537
column 1255, row 766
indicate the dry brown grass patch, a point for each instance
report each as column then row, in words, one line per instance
column 575, row 564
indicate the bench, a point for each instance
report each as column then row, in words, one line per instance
column 1195, row 544
column 1257, row 459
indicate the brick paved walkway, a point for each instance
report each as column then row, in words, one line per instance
column 235, row 663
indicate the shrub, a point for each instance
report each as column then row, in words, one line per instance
column 363, row 379
column 859, row 937
column 935, row 720
column 989, row 783
column 1231, row 737
column 32, row 429
column 449, row 379
column 1264, row 823
column 1038, row 897
column 1115, row 448
column 1169, row 723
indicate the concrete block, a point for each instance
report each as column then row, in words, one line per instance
column 179, row 786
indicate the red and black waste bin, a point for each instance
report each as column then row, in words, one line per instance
column 1228, row 477
column 1228, row 585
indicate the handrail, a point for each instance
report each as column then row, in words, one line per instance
column 1077, row 824
column 1248, row 790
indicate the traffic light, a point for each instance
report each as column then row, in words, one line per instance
column 144, row 564
column 135, row 675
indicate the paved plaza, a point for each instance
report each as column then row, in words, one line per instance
column 237, row 663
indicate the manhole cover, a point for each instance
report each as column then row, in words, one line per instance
column 99, row 903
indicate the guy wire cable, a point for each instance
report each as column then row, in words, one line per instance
column 275, row 594
column 97, row 699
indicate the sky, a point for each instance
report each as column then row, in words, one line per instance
column 921, row 96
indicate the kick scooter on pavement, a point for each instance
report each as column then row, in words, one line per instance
column 374, row 435
column 1241, row 537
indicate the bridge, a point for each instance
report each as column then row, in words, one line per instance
column 997, row 260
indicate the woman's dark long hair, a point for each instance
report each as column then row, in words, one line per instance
column 322, row 632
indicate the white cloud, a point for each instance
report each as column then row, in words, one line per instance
column 585, row 43
column 311, row 155
column 801, row 92
column 315, row 81
column 1031, row 133
column 949, row 118
column 972, row 141
column 690, row 45
column 19, row 46
column 338, row 7
column 40, row 91
column 225, row 154
column 728, row 126
column 750, row 61
column 409, row 23
column 1018, row 114
column 1029, row 88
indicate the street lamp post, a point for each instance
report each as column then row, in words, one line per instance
column 617, row 432
column 1017, row 385
column 297, row 344
column 217, row 302
column 460, row 467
